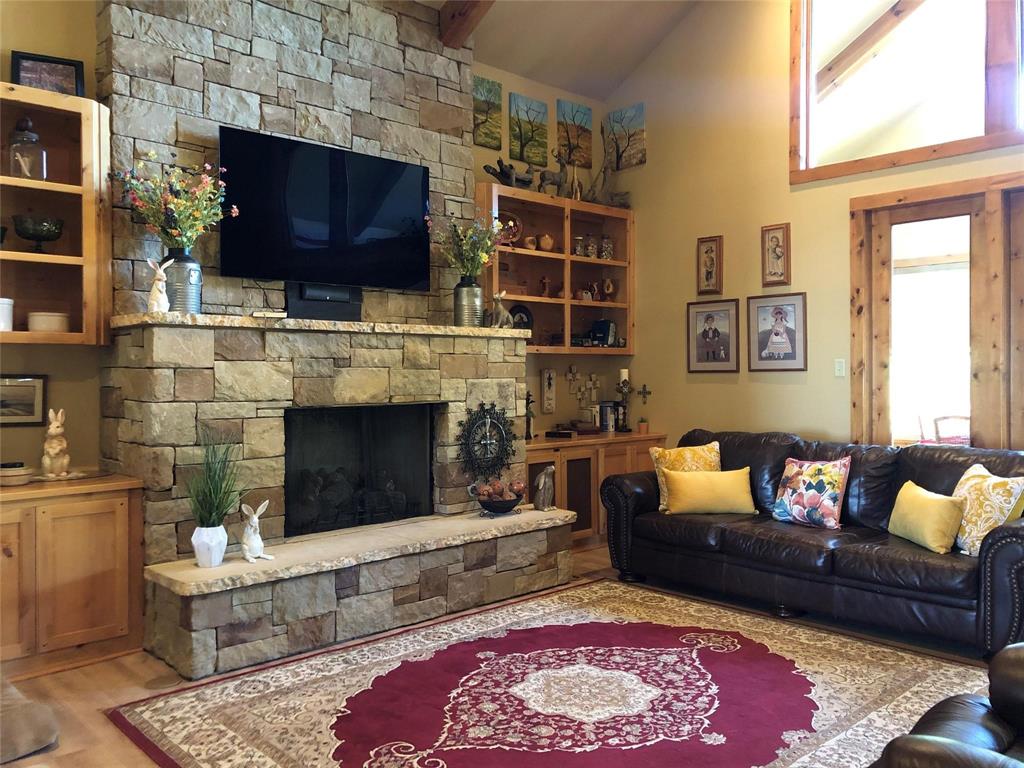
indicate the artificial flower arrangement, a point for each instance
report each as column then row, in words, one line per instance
column 469, row 248
column 179, row 204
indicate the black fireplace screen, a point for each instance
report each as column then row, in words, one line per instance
column 356, row 465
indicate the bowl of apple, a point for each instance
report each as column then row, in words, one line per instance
column 498, row 498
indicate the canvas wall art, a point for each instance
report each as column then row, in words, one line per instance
column 49, row 73
column 775, row 269
column 575, row 133
column 527, row 130
column 626, row 134
column 486, row 112
column 22, row 400
column 710, row 255
column 777, row 332
column 712, row 336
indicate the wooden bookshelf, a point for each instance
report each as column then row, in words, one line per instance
column 73, row 274
column 561, row 320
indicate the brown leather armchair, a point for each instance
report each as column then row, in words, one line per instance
column 969, row 731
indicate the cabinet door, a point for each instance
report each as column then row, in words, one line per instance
column 641, row 459
column 82, row 571
column 17, row 582
column 579, row 468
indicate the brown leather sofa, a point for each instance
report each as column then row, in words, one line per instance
column 860, row 573
column 969, row 731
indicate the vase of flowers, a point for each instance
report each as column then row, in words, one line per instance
column 469, row 249
column 178, row 205
column 213, row 496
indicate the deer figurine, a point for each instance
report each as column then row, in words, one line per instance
column 252, row 542
column 158, row 301
column 556, row 179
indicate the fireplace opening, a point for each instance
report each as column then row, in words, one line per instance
column 356, row 465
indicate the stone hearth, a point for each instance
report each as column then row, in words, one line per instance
column 169, row 377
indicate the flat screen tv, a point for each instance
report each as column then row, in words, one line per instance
column 316, row 214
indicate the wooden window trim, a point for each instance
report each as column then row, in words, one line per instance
column 997, row 357
column 1002, row 72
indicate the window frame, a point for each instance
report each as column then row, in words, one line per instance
column 1002, row 86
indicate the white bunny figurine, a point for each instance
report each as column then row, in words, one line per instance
column 158, row 301
column 252, row 542
column 55, row 461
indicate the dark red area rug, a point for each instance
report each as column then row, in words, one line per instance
column 589, row 676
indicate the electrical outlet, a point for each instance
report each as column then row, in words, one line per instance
column 840, row 367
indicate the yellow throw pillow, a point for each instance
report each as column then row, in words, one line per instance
column 699, row 492
column 989, row 501
column 926, row 518
column 697, row 458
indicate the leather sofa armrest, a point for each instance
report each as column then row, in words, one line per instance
column 1001, row 598
column 937, row 752
column 624, row 497
column 1006, row 685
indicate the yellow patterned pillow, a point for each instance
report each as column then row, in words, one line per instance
column 697, row 458
column 989, row 501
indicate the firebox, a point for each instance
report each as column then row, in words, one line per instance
column 356, row 465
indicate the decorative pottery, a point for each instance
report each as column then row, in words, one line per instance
column 530, row 242
column 499, row 506
column 513, row 227
column 209, row 545
column 38, row 229
column 49, row 322
column 546, row 242
column 184, row 281
column 642, row 427
column 469, row 303
column 16, row 475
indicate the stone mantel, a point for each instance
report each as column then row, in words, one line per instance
column 180, row 319
column 357, row 546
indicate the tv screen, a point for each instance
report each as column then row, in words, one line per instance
column 316, row 214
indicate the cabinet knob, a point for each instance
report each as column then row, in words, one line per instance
column 7, row 551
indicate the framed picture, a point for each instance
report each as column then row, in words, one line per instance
column 48, row 72
column 22, row 400
column 709, row 265
column 522, row 317
column 712, row 336
column 775, row 255
column 777, row 332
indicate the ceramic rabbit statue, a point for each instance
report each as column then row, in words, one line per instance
column 55, row 461
column 252, row 542
column 500, row 317
column 158, row 301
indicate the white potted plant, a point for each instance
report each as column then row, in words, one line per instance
column 214, row 496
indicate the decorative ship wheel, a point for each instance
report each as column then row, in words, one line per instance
column 486, row 441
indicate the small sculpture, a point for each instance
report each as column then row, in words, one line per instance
column 252, row 542
column 545, row 286
column 529, row 414
column 507, row 174
column 500, row 317
column 557, row 179
column 608, row 288
column 55, row 461
column 595, row 291
column 158, row 301
column 545, row 485
column 546, row 242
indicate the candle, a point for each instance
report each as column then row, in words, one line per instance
column 623, row 374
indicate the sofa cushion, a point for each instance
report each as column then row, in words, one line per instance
column 702, row 532
column 940, row 467
column 870, row 490
column 793, row 547
column 898, row 563
column 764, row 452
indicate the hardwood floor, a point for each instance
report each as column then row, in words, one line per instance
column 80, row 697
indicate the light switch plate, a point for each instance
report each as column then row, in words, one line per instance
column 840, row 367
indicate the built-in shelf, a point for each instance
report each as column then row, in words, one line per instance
column 510, row 298
column 607, row 304
column 599, row 262
column 530, row 252
column 41, row 258
column 40, row 337
column 43, row 186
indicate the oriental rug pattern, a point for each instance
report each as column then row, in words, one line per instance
column 590, row 676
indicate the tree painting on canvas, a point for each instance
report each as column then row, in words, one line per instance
column 486, row 112
column 575, row 133
column 626, row 134
column 527, row 130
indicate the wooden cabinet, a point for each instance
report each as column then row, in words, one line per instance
column 71, row 570
column 582, row 464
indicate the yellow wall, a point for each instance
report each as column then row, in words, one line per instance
column 63, row 28
column 716, row 91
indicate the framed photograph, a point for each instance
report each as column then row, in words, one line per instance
column 22, row 400
column 712, row 336
column 777, row 332
column 709, row 265
column 48, row 72
column 775, row 255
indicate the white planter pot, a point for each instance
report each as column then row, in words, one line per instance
column 209, row 545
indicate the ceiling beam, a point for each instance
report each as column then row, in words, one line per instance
column 459, row 18
column 865, row 46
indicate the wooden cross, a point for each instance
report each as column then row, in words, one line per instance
column 589, row 389
column 644, row 392
column 573, row 376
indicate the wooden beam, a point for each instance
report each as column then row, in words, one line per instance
column 864, row 46
column 881, row 326
column 860, row 327
column 459, row 18
column 1016, row 206
column 1002, row 65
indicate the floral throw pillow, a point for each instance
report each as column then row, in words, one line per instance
column 697, row 458
column 811, row 492
column 989, row 501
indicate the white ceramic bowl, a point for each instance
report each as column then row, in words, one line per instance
column 16, row 475
column 48, row 322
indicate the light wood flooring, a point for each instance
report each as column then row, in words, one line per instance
column 80, row 697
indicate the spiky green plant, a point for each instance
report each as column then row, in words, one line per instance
column 214, row 490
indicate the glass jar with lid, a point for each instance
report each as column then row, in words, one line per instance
column 607, row 247
column 27, row 155
column 591, row 245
